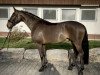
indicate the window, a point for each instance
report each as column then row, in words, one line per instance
column 49, row 14
column 4, row 13
column 68, row 14
column 31, row 10
column 88, row 14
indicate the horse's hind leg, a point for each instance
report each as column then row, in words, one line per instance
column 42, row 53
column 71, row 59
column 72, row 54
column 78, row 46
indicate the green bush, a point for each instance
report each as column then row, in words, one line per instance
column 17, row 35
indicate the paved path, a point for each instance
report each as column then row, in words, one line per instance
column 30, row 67
column 21, row 62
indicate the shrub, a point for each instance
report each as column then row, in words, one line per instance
column 17, row 35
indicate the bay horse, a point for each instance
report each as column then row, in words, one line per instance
column 44, row 32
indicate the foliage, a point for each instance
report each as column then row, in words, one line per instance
column 17, row 35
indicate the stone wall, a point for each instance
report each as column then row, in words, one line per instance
column 52, row 55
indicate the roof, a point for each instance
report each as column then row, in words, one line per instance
column 52, row 2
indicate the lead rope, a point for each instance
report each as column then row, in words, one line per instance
column 8, row 37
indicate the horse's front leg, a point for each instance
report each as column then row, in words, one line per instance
column 42, row 53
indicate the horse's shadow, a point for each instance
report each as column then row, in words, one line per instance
column 50, row 70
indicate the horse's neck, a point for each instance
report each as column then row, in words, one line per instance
column 30, row 22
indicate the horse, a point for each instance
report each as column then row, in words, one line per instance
column 44, row 32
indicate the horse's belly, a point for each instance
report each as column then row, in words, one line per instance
column 53, row 37
column 56, row 38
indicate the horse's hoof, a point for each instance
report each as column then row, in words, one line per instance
column 80, row 73
column 1, row 52
column 42, row 68
column 81, row 68
column 70, row 67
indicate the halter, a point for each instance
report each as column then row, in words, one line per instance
column 12, row 22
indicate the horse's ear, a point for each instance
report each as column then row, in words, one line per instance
column 14, row 9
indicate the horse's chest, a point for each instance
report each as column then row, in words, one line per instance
column 37, row 36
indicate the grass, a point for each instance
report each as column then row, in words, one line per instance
column 24, row 43
column 27, row 44
column 94, row 44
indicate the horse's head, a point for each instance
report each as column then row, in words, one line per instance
column 14, row 19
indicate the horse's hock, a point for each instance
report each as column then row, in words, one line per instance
column 54, row 56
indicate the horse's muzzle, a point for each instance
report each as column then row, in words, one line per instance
column 9, row 25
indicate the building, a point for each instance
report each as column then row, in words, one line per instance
column 86, row 12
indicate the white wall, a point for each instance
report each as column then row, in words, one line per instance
column 93, row 27
column 3, row 22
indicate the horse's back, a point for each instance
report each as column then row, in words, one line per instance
column 73, row 23
column 75, row 30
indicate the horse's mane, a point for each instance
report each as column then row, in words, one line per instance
column 32, row 16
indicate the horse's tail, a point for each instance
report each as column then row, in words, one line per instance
column 85, row 47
